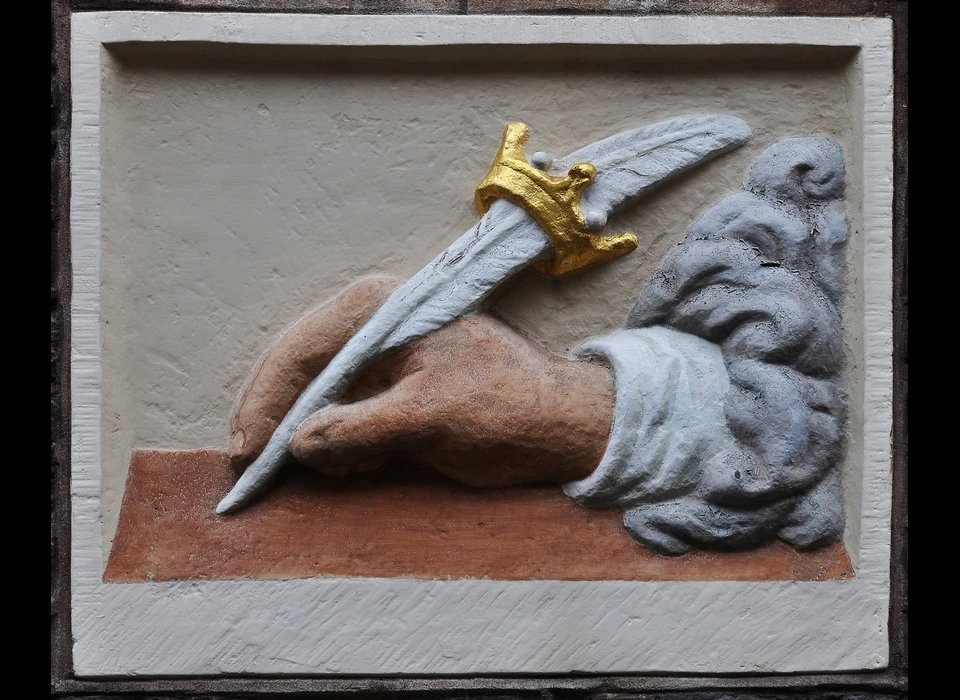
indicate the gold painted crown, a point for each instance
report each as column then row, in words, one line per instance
column 553, row 202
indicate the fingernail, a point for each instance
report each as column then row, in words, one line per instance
column 237, row 442
column 302, row 447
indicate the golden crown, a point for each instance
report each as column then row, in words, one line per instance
column 553, row 202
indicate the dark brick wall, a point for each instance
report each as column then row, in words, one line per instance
column 888, row 684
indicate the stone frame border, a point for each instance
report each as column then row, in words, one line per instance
column 881, row 354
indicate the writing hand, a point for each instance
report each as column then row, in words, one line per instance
column 475, row 400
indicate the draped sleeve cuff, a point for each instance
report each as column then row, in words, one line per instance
column 668, row 417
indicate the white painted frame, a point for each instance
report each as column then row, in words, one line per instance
column 401, row 626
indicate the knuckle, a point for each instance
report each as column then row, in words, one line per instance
column 373, row 288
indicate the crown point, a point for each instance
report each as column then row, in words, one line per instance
column 583, row 171
column 595, row 220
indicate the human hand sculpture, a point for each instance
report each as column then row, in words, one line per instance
column 475, row 400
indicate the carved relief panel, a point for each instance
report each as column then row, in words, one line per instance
column 643, row 383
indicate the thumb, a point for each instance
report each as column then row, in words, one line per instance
column 357, row 436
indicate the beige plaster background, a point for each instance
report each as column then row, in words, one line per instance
column 242, row 186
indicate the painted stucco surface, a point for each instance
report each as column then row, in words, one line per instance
column 240, row 190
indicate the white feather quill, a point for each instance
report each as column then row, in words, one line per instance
column 502, row 243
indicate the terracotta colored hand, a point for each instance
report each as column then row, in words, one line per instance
column 474, row 400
